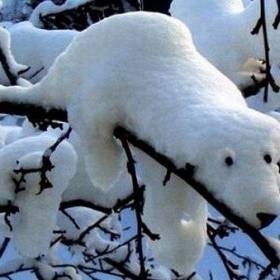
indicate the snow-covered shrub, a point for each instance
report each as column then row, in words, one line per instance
column 10, row 68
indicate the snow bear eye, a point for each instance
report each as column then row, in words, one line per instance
column 278, row 163
column 229, row 161
column 267, row 158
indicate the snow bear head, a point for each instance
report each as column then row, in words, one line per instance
column 239, row 161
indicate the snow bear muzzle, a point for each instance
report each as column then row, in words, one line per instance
column 266, row 219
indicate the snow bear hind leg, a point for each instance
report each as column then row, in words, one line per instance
column 175, row 212
column 104, row 162
column 104, row 157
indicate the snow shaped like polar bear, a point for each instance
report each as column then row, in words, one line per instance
column 150, row 79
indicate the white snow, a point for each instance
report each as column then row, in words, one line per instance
column 225, row 39
column 5, row 43
column 151, row 79
column 165, row 211
column 36, row 48
column 37, row 216
column 15, row 264
column 5, row 132
column 273, row 103
column 84, row 217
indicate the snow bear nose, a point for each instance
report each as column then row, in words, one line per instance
column 266, row 219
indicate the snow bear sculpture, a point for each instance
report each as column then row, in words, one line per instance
column 143, row 72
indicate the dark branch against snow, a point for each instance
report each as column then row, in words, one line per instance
column 261, row 23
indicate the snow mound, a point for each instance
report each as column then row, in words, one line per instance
column 33, row 225
column 36, row 48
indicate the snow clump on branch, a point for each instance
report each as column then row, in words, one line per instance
column 37, row 48
column 33, row 225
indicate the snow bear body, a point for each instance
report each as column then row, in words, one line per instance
column 143, row 72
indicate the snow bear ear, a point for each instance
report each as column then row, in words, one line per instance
column 228, row 157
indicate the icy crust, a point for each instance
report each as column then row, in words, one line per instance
column 228, row 31
column 48, row 7
column 33, row 225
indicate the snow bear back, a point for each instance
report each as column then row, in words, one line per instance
column 127, row 53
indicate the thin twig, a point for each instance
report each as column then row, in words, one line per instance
column 138, row 206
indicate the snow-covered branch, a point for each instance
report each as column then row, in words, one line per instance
column 43, row 117
column 11, row 68
column 78, row 15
